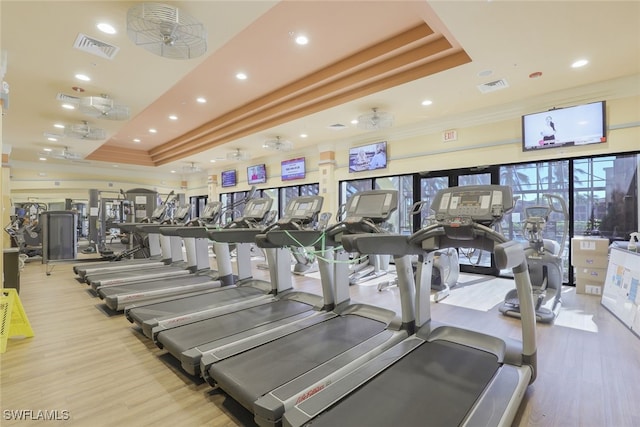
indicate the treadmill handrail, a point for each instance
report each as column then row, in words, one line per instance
column 234, row 235
column 508, row 255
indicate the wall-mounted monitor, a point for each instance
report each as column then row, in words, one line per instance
column 561, row 127
column 228, row 178
column 368, row 157
column 292, row 169
column 257, row 174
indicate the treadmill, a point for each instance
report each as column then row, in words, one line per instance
column 272, row 377
column 240, row 289
column 189, row 342
column 459, row 376
column 155, row 258
column 203, row 278
column 175, row 265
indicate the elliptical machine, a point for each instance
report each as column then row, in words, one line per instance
column 305, row 261
column 446, row 265
column 544, row 258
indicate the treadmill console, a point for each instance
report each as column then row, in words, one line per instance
column 462, row 206
column 211, row 211
column 302, row 209
column 257, row 209
column 182, row 213
column 375, row 205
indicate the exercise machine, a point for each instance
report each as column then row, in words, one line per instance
column 197, row 251
column 238, row 289
column 442, row 375
column 306, row 262
column 272, row 377
column 368, row 267
column 25, row 228
column 190, row 341
column 446, row 266
column 544, row 258
column 145, row 249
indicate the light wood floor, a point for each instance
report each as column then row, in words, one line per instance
column 105, row 373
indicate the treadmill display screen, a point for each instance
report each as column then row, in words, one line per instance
column 302, row 207
column 470, row 199
column 256, row 209
column 370, row 205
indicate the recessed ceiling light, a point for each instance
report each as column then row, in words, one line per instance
column 68, row 107
column 106, row 28
column 579, row 63
column 303, row 135
column 173, row 117
column 173, row 171
column 136, row 140
column 152, row 130
column 212, row 161
column 302, row 40
column 44, row 159
column 115, row 166
column 354, row 121
column 241, row 76
column 83, row 77
column 52, row 139
column 426, row 102
column 48, row 150
column 58, row 125
column 201, row 100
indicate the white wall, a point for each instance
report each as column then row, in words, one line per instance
column 484, row 144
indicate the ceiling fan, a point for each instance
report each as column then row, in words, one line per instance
column 238, row 155
column 375, row 120
column 65, row 154
column 85, row 131
column 278, row 144
column 103, row 107
column 166, row 31
column 191, row 168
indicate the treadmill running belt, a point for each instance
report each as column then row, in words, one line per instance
column 195, row 334
column 252, row 374
column 434, row 385
column 192, row 303
column 154, row 285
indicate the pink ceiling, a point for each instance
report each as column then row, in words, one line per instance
column 266, row 52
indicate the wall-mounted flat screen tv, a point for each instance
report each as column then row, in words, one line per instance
column 228, row 178
column 368, row 157
column 561, row 127
column 292, row 169
column 257, row 174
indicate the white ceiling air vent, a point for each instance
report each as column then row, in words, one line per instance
column 95, row 46
column 493, row 86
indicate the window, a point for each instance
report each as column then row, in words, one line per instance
column 530, row 182
column 605, row 196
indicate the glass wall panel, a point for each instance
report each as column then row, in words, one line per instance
column 530, row 182
column 428, row 189
column 606, row 196
column 401, row 221
column 274, row 194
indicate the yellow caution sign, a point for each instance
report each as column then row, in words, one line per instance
column 13, row 319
